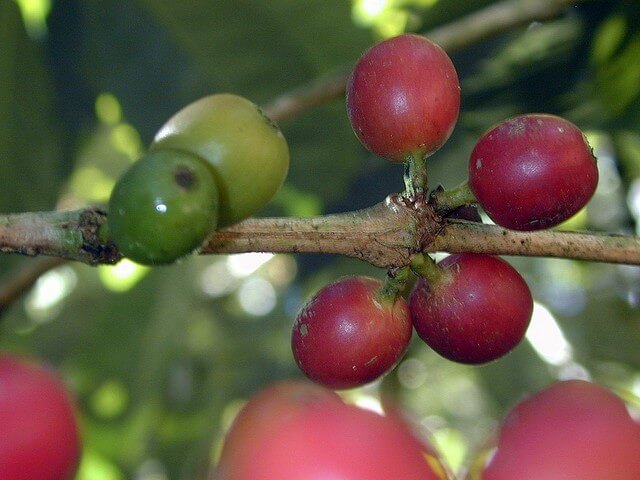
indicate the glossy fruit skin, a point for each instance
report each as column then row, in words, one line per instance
column 314, row 436
column 39, row 436
column 347, row 335
column 532, row 172
column 571, row 430
column 261, row 417
column 163, row 207
column 478, row 311
column 403, row 98
column 246, row 151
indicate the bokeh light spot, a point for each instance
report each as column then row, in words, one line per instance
column 122, row 276
column 257, row 296
column 546, row 337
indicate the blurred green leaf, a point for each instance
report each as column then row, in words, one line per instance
column 615, row 51
column 30, row 139
column 628, row 148
column 531, row 52
column 608, row 38
column 260, row 49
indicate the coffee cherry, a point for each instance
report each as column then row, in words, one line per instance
column 477, row 310
column 349, row 334
column 403, row 98
column 261, row 417
column 246, row 151
column 532, row 172
column 421, row 438
column 39, row 436
column 571, row 430
column 163, row 207
column 299, row 432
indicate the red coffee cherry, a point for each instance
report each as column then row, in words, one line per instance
column 38, row 432
column 296, row 431
column 257, row 421
column 418, row 434
column 573, row 429
column 532, row 172
column 477, row 310
column 349, row 334
column 403, row 98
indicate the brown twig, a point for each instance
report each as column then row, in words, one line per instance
column 385, row 235
column 457, row 35
column 306, row 97
column 58, row 237
column 460, row 236
column 74, row 235
column 496, row 19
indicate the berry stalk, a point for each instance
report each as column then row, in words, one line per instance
column 415, row 176
column 395, row 284
column 446, row 201
column 424, row 266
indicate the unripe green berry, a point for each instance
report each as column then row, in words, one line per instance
column 163, row 207
column 246, row 151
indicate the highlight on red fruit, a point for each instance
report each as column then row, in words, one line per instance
column 532, row 172
column 349, row 334
column 261, row 417
column 476, row 311
column 294, row 431
column 570, row 430
column 39, row 436
column 403, row 98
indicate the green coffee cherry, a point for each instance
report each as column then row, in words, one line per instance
column 163, row 207
column 248, row 154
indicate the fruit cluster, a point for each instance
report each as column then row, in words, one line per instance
column 220, row 159
column 214, row 163
column 529, row 172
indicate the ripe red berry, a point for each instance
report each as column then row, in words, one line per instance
column 477, row 310
column 348, row 334
column 257, row 421
column 532, row 172
column 38, row 433
column 417, row 433
column 295, row 431
column 571, row 430
column 403, row 98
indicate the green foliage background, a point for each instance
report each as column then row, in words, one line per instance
column 161, row 359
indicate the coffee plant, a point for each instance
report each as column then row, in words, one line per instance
column 177, row 288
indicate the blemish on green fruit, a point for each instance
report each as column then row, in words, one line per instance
column 185, row 178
